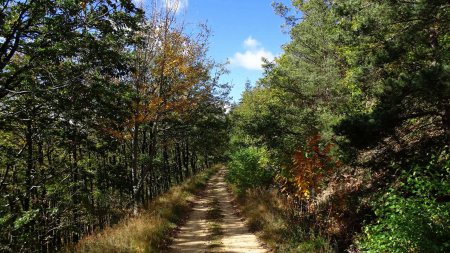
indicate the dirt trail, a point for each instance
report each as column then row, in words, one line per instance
column 195, row 236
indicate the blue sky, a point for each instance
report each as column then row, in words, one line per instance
column 243, row 32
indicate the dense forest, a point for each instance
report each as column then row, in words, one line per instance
column 102, row 108
column 351, row 126
column 341, row 146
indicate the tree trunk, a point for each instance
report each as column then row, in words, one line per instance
column 28, row 173
column 178, row 162
column 194, row 162
column 206, row 160
column 166, row 166
column 186, row 158
column 134, row 167
column 446, row 122
column 75, row 188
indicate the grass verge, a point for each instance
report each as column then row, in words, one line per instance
column 270, row 218
column 214, row 217
column 149, row 231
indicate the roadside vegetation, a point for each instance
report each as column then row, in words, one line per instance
column 272, row 219
column 343, row 144
column 152, row 229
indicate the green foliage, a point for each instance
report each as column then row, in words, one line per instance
column 257, row 118
column 313, row 245
column 94, row 121
column 249, row 168
column 398, row 62
column 415, row 216
column 25, row 219
column 302, row 92
column 373, row 77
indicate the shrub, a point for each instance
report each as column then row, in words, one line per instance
column 415, row 215
column 311, row 165
column 249, row 168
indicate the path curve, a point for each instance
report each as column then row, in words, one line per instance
column 194, row 237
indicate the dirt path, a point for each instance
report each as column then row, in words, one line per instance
column 195, row 235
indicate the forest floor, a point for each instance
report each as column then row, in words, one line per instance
column 213, row 225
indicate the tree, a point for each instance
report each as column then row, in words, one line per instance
column 95, row 120
column 169, row 67
column 40, row 34
column 398, row 59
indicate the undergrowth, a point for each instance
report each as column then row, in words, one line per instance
column 270, row 218
column 413, row 215
column 150, row 230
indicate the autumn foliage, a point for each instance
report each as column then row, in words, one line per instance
column 309, row 167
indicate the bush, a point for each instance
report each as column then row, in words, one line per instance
column 249, row 168
column 415, row 215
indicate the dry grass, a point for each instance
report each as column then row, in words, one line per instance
column 270, row 218
column 149, row 231
column 214, row 212
column 264, row 214
column 215, row 216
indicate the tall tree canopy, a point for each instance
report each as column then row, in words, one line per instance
column 101, row 110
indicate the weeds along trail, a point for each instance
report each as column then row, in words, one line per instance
column 213, row 225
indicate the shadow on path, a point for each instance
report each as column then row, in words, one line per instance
column 194, row 236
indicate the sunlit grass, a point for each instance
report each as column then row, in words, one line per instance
column 269, row 217
column 150, row 230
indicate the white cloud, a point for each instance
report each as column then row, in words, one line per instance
column 252, row 57
column 175, row 5
column 251, row 42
